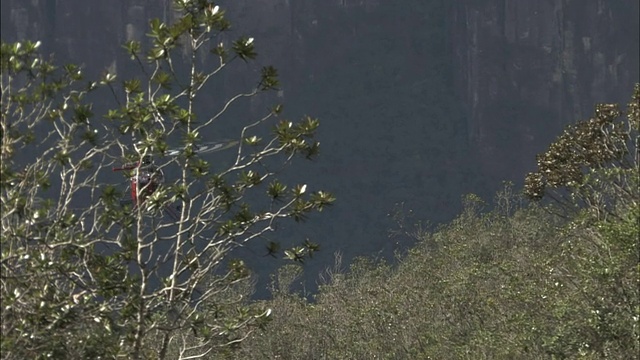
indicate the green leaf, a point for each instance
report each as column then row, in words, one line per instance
column 268, row 79
column 311, row 247
column 277, row 109
column 132, row 86
column 163, row 79
column 133, row 48
column 108, row 78
column 252, row 140
column 221, row 52
column 299, row 190
column 321, row 199
column 244, row 215
column 199, row 167
column 82, row 113
column 296, row 254
column 244, row 48
column 249, row 178
column 157, row 53
column 276, row 190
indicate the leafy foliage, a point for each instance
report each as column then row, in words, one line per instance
column 516, row 282
column 594, row 163
column 85, row 275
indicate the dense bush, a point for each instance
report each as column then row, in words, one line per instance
column 519, row 283
column 556, row 279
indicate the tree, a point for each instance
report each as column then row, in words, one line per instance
column 516, row 282
column 86, row 276
column 592, row 172
column 593, row 165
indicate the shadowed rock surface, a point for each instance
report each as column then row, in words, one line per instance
column 419, row 101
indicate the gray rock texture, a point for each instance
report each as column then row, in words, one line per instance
column 420, row 101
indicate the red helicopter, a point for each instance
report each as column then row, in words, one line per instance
column 147, row 177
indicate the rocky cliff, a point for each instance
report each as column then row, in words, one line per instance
column 420, row 101
column 527, row 68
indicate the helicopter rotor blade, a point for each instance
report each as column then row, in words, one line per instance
column 205, row 147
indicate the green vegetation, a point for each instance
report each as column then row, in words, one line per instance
column 551, row 280
column 85, row 276
column 550, row 273
column 487, row 286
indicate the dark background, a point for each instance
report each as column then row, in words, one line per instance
column 420, row 101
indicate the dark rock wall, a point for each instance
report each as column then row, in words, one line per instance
column 420, row 101
column 527, row 68
column 86, row 33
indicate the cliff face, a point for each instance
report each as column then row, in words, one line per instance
column 88, row 34
column 419, row 101
column 526, row 68
column 522, row 68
